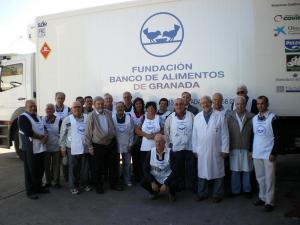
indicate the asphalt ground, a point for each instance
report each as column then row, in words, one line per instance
column 133, row 207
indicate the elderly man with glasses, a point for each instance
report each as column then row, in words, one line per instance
column 250, row 102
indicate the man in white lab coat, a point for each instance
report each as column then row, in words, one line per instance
column 210, row 142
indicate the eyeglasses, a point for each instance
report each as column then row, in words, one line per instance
column 240, row 92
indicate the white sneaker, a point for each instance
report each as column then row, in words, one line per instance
column 87, row 188
column 74, row 191
column 129, row 184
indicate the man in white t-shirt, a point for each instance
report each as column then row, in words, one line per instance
column 178, row 130
column 265, row 147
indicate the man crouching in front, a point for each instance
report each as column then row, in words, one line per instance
column 158, row 170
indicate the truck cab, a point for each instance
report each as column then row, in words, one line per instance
column 17, row 85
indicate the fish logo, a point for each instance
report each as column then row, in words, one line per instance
column 161, row 34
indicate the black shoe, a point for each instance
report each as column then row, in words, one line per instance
column 248, row 195
column 153, row 196
column 217, row 199
column 47, row 185
column 43, row 191
column 100, row 189
column 117, row 187
column 57, row 186
column 33, row 197
column 172, row 197
column 200, row 198
column 259, row 202
column 232, row 195
column 269, row 208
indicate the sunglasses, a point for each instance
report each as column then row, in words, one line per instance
column 240, row 92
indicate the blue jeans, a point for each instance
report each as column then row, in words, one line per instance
column 218, row 187
column 126, row 167
column 236, row 182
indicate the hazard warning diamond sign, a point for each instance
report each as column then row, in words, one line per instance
column 45, row 50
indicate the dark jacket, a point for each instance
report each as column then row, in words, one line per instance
column 192, row 109
column 26, row 131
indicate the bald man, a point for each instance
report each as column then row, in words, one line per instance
column 178, row 130
column 240, row 140
column 159, row 176
column 33, row 138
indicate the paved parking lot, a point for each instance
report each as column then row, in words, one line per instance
column 132, row 206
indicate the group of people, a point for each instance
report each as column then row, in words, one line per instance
column 164, row 151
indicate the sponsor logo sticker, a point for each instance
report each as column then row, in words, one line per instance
column 292, row 45
column 293, row 62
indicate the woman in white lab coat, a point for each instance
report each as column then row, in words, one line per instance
column 211, row 145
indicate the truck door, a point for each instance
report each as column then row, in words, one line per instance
column 12, row 87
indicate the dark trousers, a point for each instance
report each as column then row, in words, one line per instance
column 33, row 171
column 109, row 154
column 52, row 167
column 147, row 185
column 143, row 155
column 186, row 169
column 217, row 191
column 65, row 169
column 89, row 159
column 227, row 177
column 78, row 170
column 136, row 162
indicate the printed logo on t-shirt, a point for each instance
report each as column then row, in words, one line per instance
column 260, row 130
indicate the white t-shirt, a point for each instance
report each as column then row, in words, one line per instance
column 149, row 127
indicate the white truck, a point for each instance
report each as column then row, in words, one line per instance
column 160, row 48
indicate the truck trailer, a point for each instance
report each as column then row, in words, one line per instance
column 161, row 48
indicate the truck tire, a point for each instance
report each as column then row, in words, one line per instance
column 17, row 143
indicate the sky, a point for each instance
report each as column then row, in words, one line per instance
column 16, row 15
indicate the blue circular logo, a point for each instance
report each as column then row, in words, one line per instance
column 260, row 131
column 162, row 34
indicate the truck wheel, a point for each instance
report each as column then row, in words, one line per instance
column 17, row 143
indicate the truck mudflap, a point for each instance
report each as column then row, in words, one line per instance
column 14, row 131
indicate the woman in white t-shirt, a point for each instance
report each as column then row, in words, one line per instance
column 148, row 128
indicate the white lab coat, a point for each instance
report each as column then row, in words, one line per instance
column 208, row 141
